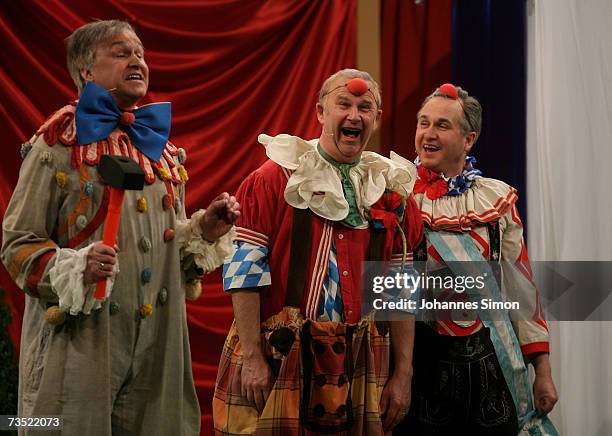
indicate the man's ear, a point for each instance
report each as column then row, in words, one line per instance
column 469, row 141
column 378, row 116
column 320, row 113
column 86, row 74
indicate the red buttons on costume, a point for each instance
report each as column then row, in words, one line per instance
column 127, row 118
column 168, row 235
column 357, row 86
column 340, row 236
column 450, row 90
column 345, row 273
column 167, row 202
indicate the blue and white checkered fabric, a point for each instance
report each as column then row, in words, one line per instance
column 248, row 267
column 331, row 307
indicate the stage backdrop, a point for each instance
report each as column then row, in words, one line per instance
column 231, row 68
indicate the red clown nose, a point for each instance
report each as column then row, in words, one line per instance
column 450, row 90
column 357, row 86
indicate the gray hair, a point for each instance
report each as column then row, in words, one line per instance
column 350, row 73
column 82, row 44
column 471, row 121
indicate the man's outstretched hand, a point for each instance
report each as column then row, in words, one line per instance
column 219, row 217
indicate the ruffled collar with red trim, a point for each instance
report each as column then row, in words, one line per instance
column 60, row 128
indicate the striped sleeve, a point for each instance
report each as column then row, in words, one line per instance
column 519, row 284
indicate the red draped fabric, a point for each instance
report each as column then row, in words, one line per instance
column 231, row 68
column 415, row 59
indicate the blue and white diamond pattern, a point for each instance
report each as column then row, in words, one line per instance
column 248, row 267
column 331, row 307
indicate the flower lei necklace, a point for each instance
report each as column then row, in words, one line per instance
column 436, row 185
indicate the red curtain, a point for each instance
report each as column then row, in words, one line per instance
column 415, row 59
column 232, row 69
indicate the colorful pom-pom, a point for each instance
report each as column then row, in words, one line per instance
column 166, row 201
column 141, row 205
column 146, row 310
column 127, row 118
column 450, row 90
column 182, row 155
column 164, row 174
column 183, row 174
column 145, row 275
column 81, row 222
column 55, row 316
column 61, row 178
column 25, row 149
column 168, row 235
column 46, row 157
column 88, row 189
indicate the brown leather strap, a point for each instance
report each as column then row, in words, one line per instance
column 299, row 257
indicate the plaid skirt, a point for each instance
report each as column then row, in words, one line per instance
column 329, row 378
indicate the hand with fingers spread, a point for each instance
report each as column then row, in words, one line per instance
column 256, row 380
column 395, row 400
column 219, row 217
column 101, row 260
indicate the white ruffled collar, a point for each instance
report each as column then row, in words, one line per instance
column 484, row 201
column 316, row 184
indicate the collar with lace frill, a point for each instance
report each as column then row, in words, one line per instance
column 316, row 184
column 436, row 185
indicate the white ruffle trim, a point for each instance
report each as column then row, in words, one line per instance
column 207, row 255
column 486, row 200
column 316, row 184
column 66, row 276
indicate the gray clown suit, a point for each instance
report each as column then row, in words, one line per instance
column 122, row 366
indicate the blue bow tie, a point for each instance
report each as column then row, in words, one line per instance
column 97, row 115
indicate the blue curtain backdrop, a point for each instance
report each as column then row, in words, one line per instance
column 489, row 60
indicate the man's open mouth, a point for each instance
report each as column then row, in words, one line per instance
column 430, row 148
column 350, row 132
column 134, row 76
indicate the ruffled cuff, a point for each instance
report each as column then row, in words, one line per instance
column 66, row 276
column 207, row 255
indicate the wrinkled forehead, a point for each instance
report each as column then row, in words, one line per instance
column 122, row 38
column 338, row 90
column 441, row 107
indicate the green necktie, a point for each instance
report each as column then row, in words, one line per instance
column 353, row 219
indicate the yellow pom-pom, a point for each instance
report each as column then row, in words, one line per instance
column 55, row 315
column 193, row 289
column 183, row 174
column 164, row 174
column 146, row 310
column 142, row 205
column 61, row 179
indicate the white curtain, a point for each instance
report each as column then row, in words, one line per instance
column 569, row 189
